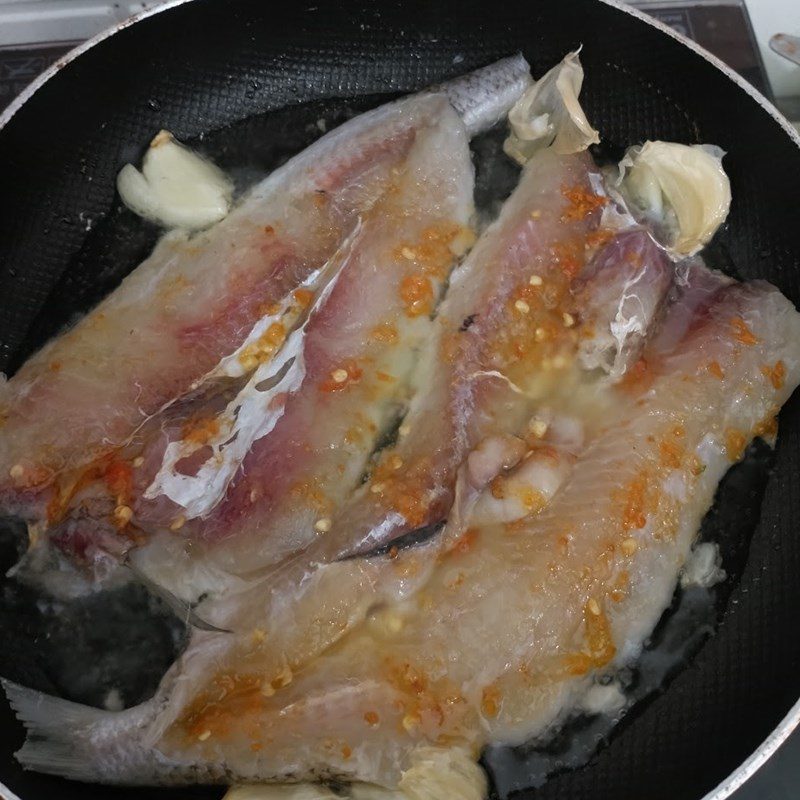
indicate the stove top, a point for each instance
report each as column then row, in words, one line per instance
column 33, row 35
column 723, row 28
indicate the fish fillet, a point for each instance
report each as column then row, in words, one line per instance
column 496, row 638
column 419, row 508
column 367, row 334
column 205, row 348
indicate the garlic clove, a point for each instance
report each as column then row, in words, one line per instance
column 681, row 190
column 176, row 187
column 549, row 114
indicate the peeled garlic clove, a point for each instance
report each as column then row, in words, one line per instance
column 682, row 190
column 434, row 773
column 549, row 114
column 176, row 187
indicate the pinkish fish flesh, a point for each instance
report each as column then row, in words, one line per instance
column 495, row 638
column 257, row 326
column 421, row 507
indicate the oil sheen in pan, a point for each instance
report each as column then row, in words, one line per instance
column 102, row 638
column 691, row 618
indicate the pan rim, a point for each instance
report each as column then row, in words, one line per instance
column 731, row 74
column 781, row 732
column 71, row 55
column 759, row 757
column 791, row 720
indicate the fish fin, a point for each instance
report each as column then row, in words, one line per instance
column 54, row 726
column 91, row 744
column 181, row 608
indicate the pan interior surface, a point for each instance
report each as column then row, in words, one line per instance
column 205, row 69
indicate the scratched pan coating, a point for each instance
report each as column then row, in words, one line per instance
column 203, row 68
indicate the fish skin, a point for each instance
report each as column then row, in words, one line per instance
column 543, row 231
column 191, row 302
column 465, row 656
column 302, row 470
column 636, row 273
column 483, row 97
column 293, row 600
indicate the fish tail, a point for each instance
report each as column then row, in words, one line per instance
column 83, row 743
column 483, row 97
column 54, row 728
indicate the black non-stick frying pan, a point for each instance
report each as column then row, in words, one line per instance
column 210, row 71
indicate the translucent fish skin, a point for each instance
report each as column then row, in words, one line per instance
column 370, row 327
column 495, row 329
column 500, row 636
column 634, row 279
column 192, row 301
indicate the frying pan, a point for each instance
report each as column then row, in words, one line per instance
column 206, row 69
